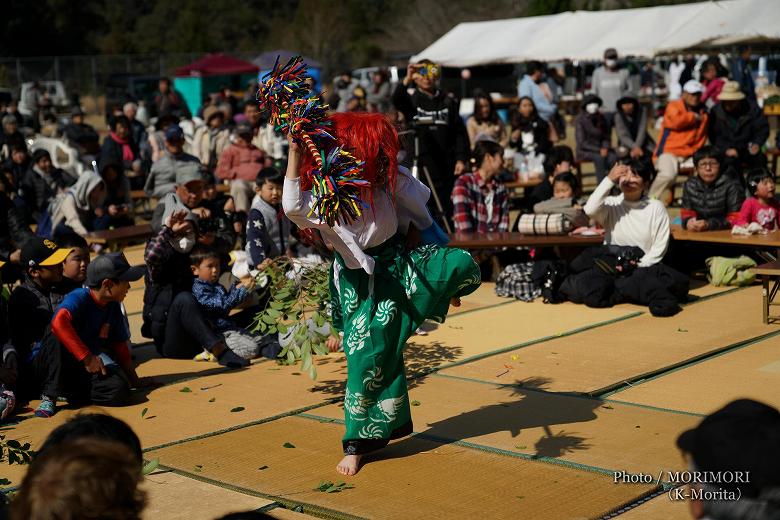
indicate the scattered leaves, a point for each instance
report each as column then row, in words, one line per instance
column 212, row 399
column 185, row 390
column 415, row 403
column 287, row 445
column 210, row 387
column 608, row 407
column 521, row 446
column 261, row 468
column 198, row 468
column 143, row 412
column 330, row 487
column 238, row 409
column 5, row 482
column 150, row 467
column 679, row 329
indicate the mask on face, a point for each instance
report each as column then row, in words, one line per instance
column 183, row 244
column 610, row 63
column 527, row 138
column 592, row 108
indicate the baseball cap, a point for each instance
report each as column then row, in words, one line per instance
column 42, row 252
column 744, row 435
column 112, row 266
column 174, row 133
column 244, row 128
column 693, row 87
column 187, row 173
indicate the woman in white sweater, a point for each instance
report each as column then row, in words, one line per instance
column 631, row 218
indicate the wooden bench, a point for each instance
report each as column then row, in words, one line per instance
column 514, row 239
column 761, row 243
column 769, row 272
column 120, row 237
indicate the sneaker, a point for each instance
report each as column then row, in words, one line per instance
column 230, row 359
column 47, row 408
column 205, row 356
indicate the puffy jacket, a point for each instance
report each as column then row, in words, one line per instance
column 750, row 126
column 681, row 134
column 712, row 202
column 14, row 231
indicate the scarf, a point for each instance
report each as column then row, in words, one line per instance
column 127, row 152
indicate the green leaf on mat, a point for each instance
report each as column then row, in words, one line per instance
column 185, row 389
column 238, row 409
column 679, row 329
column 521, row 447
column 143, row 412
column 330, row 487
column 4, row 482
column 287, row 445
column 261, row 468
column 150, row 467
column 212, row 399
column 198, row 467
column 415, row 403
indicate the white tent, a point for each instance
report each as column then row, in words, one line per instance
column 583, row 35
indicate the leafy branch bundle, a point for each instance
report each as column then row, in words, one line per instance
column 299, row 296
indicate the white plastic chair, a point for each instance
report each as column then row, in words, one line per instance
column 59, row 149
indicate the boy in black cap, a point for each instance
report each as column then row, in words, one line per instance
column 84, row 354
column 741, row 444
column 32, row 302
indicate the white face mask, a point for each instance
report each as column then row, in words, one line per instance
column 592, row 108
column 183, row 244
column 610, row 63
column 527, row 138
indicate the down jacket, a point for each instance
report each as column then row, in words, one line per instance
column 712, row 202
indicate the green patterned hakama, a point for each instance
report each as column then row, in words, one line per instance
column 379, row 313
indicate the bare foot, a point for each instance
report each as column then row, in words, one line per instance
column 349, row 465
column 455, row 302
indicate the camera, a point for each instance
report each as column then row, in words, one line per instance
column 208, row 225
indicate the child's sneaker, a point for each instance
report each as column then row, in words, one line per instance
column 205, row 356
column 47, row 408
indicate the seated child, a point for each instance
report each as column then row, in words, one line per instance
column 267, row 229
column 32, row 302
column 221, row 205
column 566, row 190
column 762, row 208
column 217, row 302
column 710, row 199
column 559, row 160
column 74, row 268
column 214, row 299
column 84, row 354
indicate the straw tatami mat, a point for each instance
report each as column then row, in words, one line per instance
column 174, row 497
column 601, row 359
column 484, row 296
column 497, row 328
column 578, row 430
column 660, row 507
column 414, row 479
column 750, row 372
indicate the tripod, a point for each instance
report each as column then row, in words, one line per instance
column 427, row 177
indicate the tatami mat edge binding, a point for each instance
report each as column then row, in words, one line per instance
column 655, row 374
column 642, row 499
column 303, row 507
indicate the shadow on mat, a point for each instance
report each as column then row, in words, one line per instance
column 525, row 409
column 420, row 361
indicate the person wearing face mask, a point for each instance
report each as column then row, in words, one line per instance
column 610, row 83
column 171, row 315
column 592, row 136
column 683, row 131
column 529, row 87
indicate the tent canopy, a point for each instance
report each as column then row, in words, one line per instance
column 217, row 65
column 583, row 35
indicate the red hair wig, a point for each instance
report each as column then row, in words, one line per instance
column 370, row 138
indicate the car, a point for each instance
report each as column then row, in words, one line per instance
column 55, row 90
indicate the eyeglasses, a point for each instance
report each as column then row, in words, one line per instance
column 708, row 164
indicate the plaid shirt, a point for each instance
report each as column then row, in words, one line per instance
column 471, row 201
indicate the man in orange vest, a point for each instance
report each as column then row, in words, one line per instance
column 684, row 130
